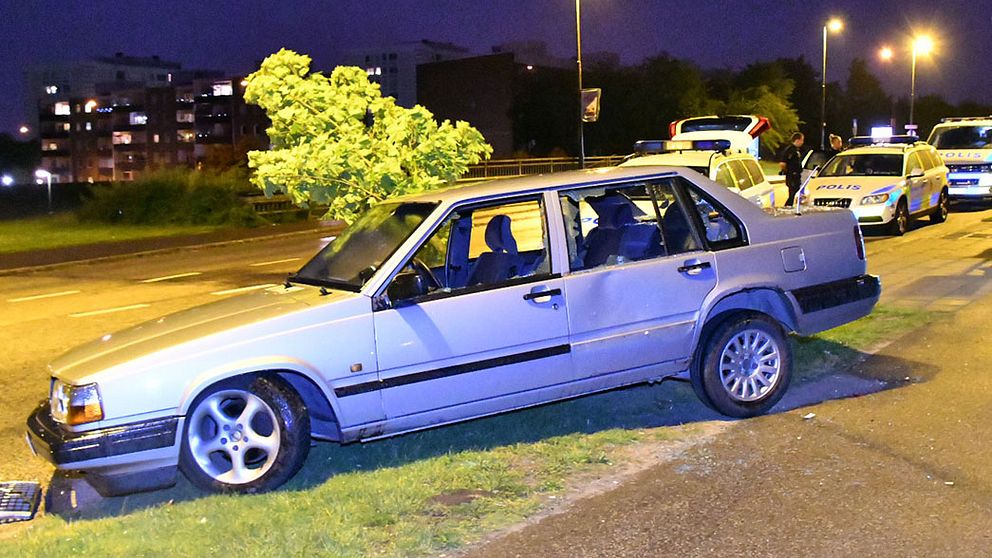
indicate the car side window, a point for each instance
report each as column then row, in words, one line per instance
column 478, row 247
column 912, row 162
column 724, row 177
column 757, row 177
column 934, row 157
column 721, row 230
column 614, row 225
column 741, row 176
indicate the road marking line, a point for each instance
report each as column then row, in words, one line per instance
column 37, row 297
column 167, row 277
column 244, row 289
column 108, row 310
column 260, row 264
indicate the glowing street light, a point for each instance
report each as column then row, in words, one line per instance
column 7, row 180
column 24, row 130
column 921, row 45
column 885, row 54
column 834, row 25
column 42, row 174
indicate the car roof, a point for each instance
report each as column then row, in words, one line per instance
column 675, row 158
column 537, row 182
column 884, row 149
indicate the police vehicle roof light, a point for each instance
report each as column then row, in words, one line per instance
column 870, row 140
column 645, row 147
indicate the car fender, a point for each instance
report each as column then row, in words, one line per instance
column 274, row 363
column 765, row 300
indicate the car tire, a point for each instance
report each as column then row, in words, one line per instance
column 900, row 221
column 245, row 435
column 745, row 367
column 943, row 208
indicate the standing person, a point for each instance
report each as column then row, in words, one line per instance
column 791, row 163
column 836, row 146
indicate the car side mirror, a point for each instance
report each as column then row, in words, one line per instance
column 916, row 173
column 406, row 286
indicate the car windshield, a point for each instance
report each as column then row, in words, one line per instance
column 962, row 137
column 863, row 165
column 353, row 257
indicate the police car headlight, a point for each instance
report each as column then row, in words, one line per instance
column 876, row 199
column 75, row 404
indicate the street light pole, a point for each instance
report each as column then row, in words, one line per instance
column 832, row 25
column 578, row 49
column 912, row 85
column 42, row 174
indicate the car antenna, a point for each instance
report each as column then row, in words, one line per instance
column 797, row 203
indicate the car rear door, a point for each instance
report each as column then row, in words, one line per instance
column 490, row 334
column 632, row 313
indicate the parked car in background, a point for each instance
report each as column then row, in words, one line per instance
column 965, row 144
column 721, row 156
column 456, row 304
column 886, row 182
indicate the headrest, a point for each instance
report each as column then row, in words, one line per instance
column 498, row 235
column 614, row 216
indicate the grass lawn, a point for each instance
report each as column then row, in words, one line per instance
column 428, row 492
column 64, row 230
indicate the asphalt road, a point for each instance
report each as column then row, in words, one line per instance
column 945, row 267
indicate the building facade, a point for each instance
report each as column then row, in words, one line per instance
column 127, row 129
column 394, row 67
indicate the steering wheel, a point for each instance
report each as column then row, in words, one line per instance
column 425, row 273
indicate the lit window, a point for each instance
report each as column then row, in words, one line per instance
column 89, row 126
column 65, row 126
column 223, row 89
column 378, row 70
column 154, row 138
column 62, row 108
column 52, row 146
column 89, row 106
column 138, row 119
column 52, row 89
column 184, row 116
column 122, row 138
column 168, row 77
column 185, row 136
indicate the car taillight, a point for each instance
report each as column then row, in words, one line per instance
column 859, row 242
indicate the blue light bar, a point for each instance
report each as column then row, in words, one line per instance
column 646, row 147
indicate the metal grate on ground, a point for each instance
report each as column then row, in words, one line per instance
column 19, row 501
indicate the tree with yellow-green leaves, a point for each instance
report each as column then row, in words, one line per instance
column 336, row 140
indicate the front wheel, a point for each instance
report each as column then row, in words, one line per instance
column 900, row 221
column 245, row 435
column 746, row 366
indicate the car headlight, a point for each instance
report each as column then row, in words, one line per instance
column 877, row 198
column 75, row 404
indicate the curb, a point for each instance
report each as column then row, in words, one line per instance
column 332, row 229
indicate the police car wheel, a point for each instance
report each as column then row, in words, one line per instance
column 900, row 221
column 943, row 208
column 746, row 366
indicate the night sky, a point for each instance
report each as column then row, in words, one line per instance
column 232, row 36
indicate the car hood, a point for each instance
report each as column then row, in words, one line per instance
column 174, row 330
column 853, row 187
column 959, row 156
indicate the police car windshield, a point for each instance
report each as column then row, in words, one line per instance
column 864, row 165
column 962, row 137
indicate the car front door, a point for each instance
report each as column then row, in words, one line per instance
column 919, row 187
column 636, row 282
column 475, row 322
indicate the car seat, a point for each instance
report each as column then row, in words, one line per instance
column 502, row 261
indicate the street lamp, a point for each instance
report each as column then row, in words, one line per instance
column 578, row 50
column 7, row 180
column 921, row 45
column 24, row 130
column 834, row 25
column 42, row 174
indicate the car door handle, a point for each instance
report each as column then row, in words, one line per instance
column 542, row 294
column 694, row 267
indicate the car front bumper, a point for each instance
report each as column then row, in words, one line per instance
column 118, row 460
column 875, row 214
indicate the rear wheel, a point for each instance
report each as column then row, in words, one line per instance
column 900, row 222
column 746, row 366
column 245, row 435
column 943, row 208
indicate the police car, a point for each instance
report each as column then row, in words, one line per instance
column 884, row 181
column 965, row 144
column 721, row 156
